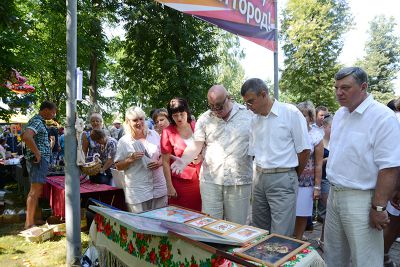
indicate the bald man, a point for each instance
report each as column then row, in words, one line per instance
column 226, row 174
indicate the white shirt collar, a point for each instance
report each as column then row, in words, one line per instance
column 365, row 104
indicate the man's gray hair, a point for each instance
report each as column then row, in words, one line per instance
column 254, row 85
column 357, row 73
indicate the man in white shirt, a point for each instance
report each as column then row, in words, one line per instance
column 280, row 144
column 226, row 173
column 363, row 169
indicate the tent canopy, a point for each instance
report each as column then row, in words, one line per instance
column 17, row 118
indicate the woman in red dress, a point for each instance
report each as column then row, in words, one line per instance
column 183, row 189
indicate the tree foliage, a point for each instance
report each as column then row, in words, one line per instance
column 166, row 54
column 311, row 35
column 13, row 44
column 33, row 41
column 382, row 58
column 229, row 70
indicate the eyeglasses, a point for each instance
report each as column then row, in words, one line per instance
column 327, row 115
column 250, row 102
column 218, row 106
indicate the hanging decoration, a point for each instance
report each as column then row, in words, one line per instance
column 17, row 83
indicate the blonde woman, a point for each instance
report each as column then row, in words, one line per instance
column 138, row 155
column 89, row 146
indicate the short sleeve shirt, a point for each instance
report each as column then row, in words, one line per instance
column 41, row 138
column 109, row 150
column 362, row 143
column 226, row 160
column 138, row 178
column 277, row 138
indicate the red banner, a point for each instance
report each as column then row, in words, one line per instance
column 253, row 20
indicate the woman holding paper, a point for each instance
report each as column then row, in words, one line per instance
column 183, row 189
column 138, row 155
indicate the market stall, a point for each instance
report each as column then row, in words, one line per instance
column 127, row 239
column 54, row 190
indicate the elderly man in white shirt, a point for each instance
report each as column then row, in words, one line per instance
column 280, row 144
column 226, row 173
column 363, row 168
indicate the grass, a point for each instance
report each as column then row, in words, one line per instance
column 15, row 251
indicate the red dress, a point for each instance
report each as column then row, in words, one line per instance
column 187, row 188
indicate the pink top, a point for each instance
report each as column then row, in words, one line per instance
column 172, row 143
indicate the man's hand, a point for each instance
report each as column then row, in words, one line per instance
column 378, row 219
column 38, row 157
column 178, row 165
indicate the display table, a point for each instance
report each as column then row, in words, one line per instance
column 54, row 190
column 119, row 245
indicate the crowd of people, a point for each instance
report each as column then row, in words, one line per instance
column 274, row 158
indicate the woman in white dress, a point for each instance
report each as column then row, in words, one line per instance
column 138, row 155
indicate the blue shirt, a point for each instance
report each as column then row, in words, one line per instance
column 41, row 138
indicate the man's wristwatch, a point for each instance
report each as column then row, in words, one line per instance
column 378, row 208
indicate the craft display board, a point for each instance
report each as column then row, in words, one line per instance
column 273, row 250
column 222, row 227
column 172, row 214
column 158, row 227
column 136, row 240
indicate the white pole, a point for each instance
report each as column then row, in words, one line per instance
column 72, row 186
column 276, row 82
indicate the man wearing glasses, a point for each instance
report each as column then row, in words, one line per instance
column 226, row 175
column 280, row 145
column 363, row 169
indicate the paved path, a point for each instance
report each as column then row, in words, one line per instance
column 312, row 237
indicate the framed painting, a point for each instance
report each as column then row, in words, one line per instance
column 221, row 227
column 203, row 221
column 273, row 250
column 246, row 233
column 171, row 214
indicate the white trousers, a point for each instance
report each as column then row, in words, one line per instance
column 348, row 235
column 231, row 202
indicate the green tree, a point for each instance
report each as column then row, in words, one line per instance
column 311, row 35
column 382, row 58
column 13, row 47
column 229, row 70
column 167, row 54
column 33, row 41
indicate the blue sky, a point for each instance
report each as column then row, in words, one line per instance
column 259, row 61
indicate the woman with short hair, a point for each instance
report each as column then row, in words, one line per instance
column 160, row 118
column 108, row 149
column 90, row 147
